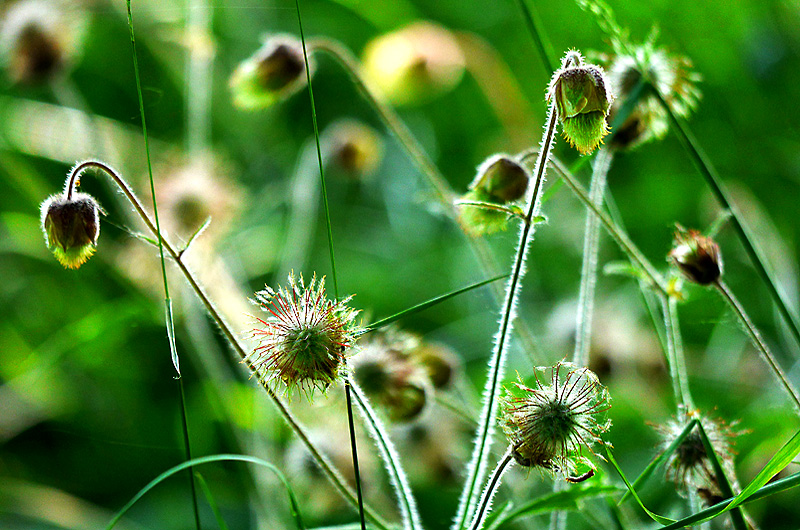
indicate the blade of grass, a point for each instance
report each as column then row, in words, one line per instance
column 294, row 505
column 652, row 466
column 211, row 501
column 712, row 178
column 428, row 304
column 535, row 27
column 722, row 481
column 170, row 324
column 660, row 519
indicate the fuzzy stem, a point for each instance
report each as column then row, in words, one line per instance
column 437, row 182
column 714, row 181
column 591, row 248
column 327, row 468
column 675, row 356
column 491, row 488
column 758, row 341
column 483, row 437
column 390, row 457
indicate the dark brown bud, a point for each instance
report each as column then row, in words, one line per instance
column 697, row 256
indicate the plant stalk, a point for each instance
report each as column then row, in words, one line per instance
column 491, row 488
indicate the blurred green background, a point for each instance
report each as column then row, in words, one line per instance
column 89, row 407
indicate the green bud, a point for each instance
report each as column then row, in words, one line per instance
column 503, row 179
column 582, row 102
column 71, row 225
column 355, row 149
column 273, row 73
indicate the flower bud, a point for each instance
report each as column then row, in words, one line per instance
column 697, row 256
column 500, row 180
column 71, row 226
column 414, row 64
column 582, row 101
column 275, row 72
column 440, row 363
column 355, row 149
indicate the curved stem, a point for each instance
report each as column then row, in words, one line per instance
column 327, row 468
column 442, row 192
column 758, row 341
column 491, row 488
column 591, row 249
column 483, row 438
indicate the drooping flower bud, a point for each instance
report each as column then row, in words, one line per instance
column 548, row 426
column 275, row 72
column 414, row 64
column 582, row 101
column 670, row 74
column 71, row 225
column 304, row 341
column 38, row 39
column 697, row 256
column 354, row 148
column 500, row 180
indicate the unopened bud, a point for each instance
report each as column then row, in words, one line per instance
column 582, row 102
column 71, row 225
column 503, row 179
column 274, row 72
column 697, row 256
column 355, row 148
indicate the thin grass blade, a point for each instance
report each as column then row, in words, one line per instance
column 211, row 501
column 660, row 519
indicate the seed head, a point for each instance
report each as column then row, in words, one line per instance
column 670, row 74
column 71, row 225
column 549, row 426
column 304, row 340
column 582, row 101
column 689, row 466
column 275, row 72
column 388, row 374
column 697, row 256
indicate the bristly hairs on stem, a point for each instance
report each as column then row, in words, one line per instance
column 491, row 488
column 170, row 324
column 333, row 475
column 477, row 467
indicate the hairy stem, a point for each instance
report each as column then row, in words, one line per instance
column 483, row 437
column 591, row 248
column 491, row 487
column 675, row 357
column 327, row 468
column 758, row 341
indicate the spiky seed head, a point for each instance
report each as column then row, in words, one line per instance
column 582, row 100
column 696, row 256
column 355, row 149
column 71, row 227
column 689, row 466
column 550, row 425
column 388, row 374
column 414, row 64
column 273, row 73
column 303, row 341
column 670, row 74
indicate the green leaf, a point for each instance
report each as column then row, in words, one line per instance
column 211, row 501
column 295, row 507
column 558, row 501
column 722, row 480
column 654, row 516
column 652, row 466
column 195, row 235
column 430, row 303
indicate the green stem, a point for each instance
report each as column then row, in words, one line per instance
column 535, row 28
column 170, row 325
column 354, row 451
column 491, row 487
column 327, row 468
column 703, row 164
column 477, row 466
column 675, row 356
column 437, row 182
column 591, row 249
column 758, row 341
